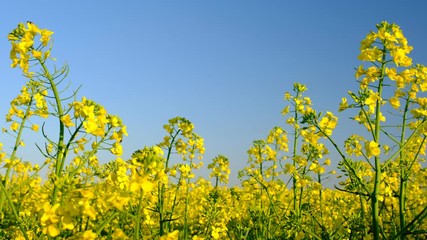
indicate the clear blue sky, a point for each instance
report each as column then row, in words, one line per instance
column 223, row 64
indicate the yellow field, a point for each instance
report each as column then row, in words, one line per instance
column 282, row 194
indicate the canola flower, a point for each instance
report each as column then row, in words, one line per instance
column 157, row 193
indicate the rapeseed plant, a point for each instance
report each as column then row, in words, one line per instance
column 156, row 194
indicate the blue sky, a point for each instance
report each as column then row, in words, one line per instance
column 222, row 64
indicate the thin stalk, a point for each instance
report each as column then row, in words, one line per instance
column 406, row 142
column 272, row 208
column 174, row 202
column 377, row 181
column 301, row 191
column 162, row 189
column 15, row 149
column 15, row 213
column 138, row 217
column 294, row 180
column 18, row 139
column 362, row 212
column 419, row 217
column 319, row 180
column 187, row 200
column 343, row 157
column 61, row 147
column 260, row 190
column 403, row 179
column 104, row 224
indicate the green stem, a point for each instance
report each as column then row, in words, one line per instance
column 403, row 180
column 138, row 218
column 343, row 157
column 272, row 208
column 294, row 180
column 162, row 189
column 15, row 150
column 319, row 180
column 377, row 180
column 15, row 213
column 187, row 200
column 104, row 224
column 362, row 212
column 260, row 172
column 418, row 218
column 61, row 147
column 406, row 142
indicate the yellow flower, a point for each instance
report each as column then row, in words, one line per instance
column 37, row 54
column 117, row 149
column 49, row 215
column 290, row 169
column 141, row 184
column 328, row 123
column 89, row 235
column 400, row 58
column 40, row 101
column 372, row 149
column 197, row 238
column 66, row 120
column 298, row 87
column 343, row 105
column 88, row 111
column 52, row 231
column 371, row 101
column 49, row 219
column 215, row 233
column 118, row 201
column 394, row 102
column 32, row 28
column 170, row 236
column 14, row 126
column 67, row 223
column 119, row 234
column 115, row 122
column 123, row 131
column 35, row 127
column 371, row 54
column 285, row 110
column 45, row 36
column 91, row 126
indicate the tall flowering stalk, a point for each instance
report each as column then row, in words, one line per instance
column 300, row 104
column 31, row 47
column 190, row 146
column 387, row 51
column 220, row 170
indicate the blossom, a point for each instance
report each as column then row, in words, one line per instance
column 89, row 235
column 14, row 126
column 372, row 149
column 394, row 102
column 328, row 123
column 117, row 149
column 343, row 104
column 170, row 236
column 66, row 120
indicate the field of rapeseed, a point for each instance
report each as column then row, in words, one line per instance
column 382, row 194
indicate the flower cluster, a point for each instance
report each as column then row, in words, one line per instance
column 23, row 39
column 220, row 169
